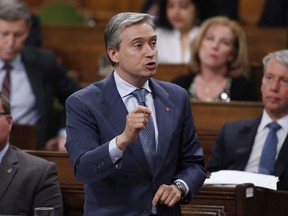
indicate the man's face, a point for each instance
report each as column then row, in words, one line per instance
column 136, row 59
column 274, row 89
column 12, row 37
column 5, row 127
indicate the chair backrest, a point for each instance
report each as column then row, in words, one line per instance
column 60, row 13
column 24, row 136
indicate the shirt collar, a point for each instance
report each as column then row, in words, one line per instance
column 124, row 88
column 15, row 63
column 3, row 152
column 266, row 119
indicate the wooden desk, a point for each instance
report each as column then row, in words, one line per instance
column 234, row 200
column 237, row 200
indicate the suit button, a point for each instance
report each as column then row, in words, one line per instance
column 147, row 210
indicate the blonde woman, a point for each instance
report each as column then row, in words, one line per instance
column 219, row 63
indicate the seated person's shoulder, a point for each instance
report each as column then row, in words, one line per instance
column 33, row 161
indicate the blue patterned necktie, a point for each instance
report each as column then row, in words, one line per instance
column 147, row 135
column 268, row 155
column 6, row 86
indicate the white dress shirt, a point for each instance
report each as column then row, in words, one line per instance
column 22, row 98
column 262, row 132
column 125, row 89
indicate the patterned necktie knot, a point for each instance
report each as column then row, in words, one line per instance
column 139, row 94
column 274, row 126
column 267, row 160
column 7, row 66
column 6, row 86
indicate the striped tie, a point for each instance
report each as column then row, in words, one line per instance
column 6, row 86
column 147, row 135
column 267, row 159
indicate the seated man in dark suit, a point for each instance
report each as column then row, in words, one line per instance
column 27, row 181
column 244, row 144
column 29, row 77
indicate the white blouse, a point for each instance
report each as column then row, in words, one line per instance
column 169, row 46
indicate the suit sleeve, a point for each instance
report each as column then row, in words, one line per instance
column 48, row 191
column 191, row 159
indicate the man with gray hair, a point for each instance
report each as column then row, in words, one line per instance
column 29, row 77
column 260, row 145
column 131, row 139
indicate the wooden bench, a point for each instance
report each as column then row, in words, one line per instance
column 210, row 117
column 80, row 46
column 262, row 41
column 168, row 72
column 73, row 193
column 217, row 200
column 202, row 210
column 24, row 136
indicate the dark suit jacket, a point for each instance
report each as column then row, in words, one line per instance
column 234, row 145
column 49, row 81
column 97, row 114
column 27, row 182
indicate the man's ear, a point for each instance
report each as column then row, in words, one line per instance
column 113, row 55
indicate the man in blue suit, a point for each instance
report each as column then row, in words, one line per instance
column 239, row 145
column 35, row 79
column 104, row 124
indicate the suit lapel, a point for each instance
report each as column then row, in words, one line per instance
column 165, row 112
column 282, row 159
column 246, row 137
column 8, row 168
column 111, row 101
column 34, row 76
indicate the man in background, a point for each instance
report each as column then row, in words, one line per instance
column 27, row 181
column 31, row 78
column 247, row 144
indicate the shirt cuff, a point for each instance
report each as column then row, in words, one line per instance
column 115, row 153
column 62, row 132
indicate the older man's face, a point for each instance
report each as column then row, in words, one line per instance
column 275, row 89
column 12, row 37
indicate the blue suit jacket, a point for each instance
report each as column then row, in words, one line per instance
column 97, row 114
column 234, row 145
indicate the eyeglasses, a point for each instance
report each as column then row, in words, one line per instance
column 3, row 114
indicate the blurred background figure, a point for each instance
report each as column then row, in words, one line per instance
column 228, row 8
column 176, row 28
column 241, row 145
column 150, row 7
column 219, row 63
column 35, row 34
column 27, row 181
column 32, row 78
column 275, row 14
